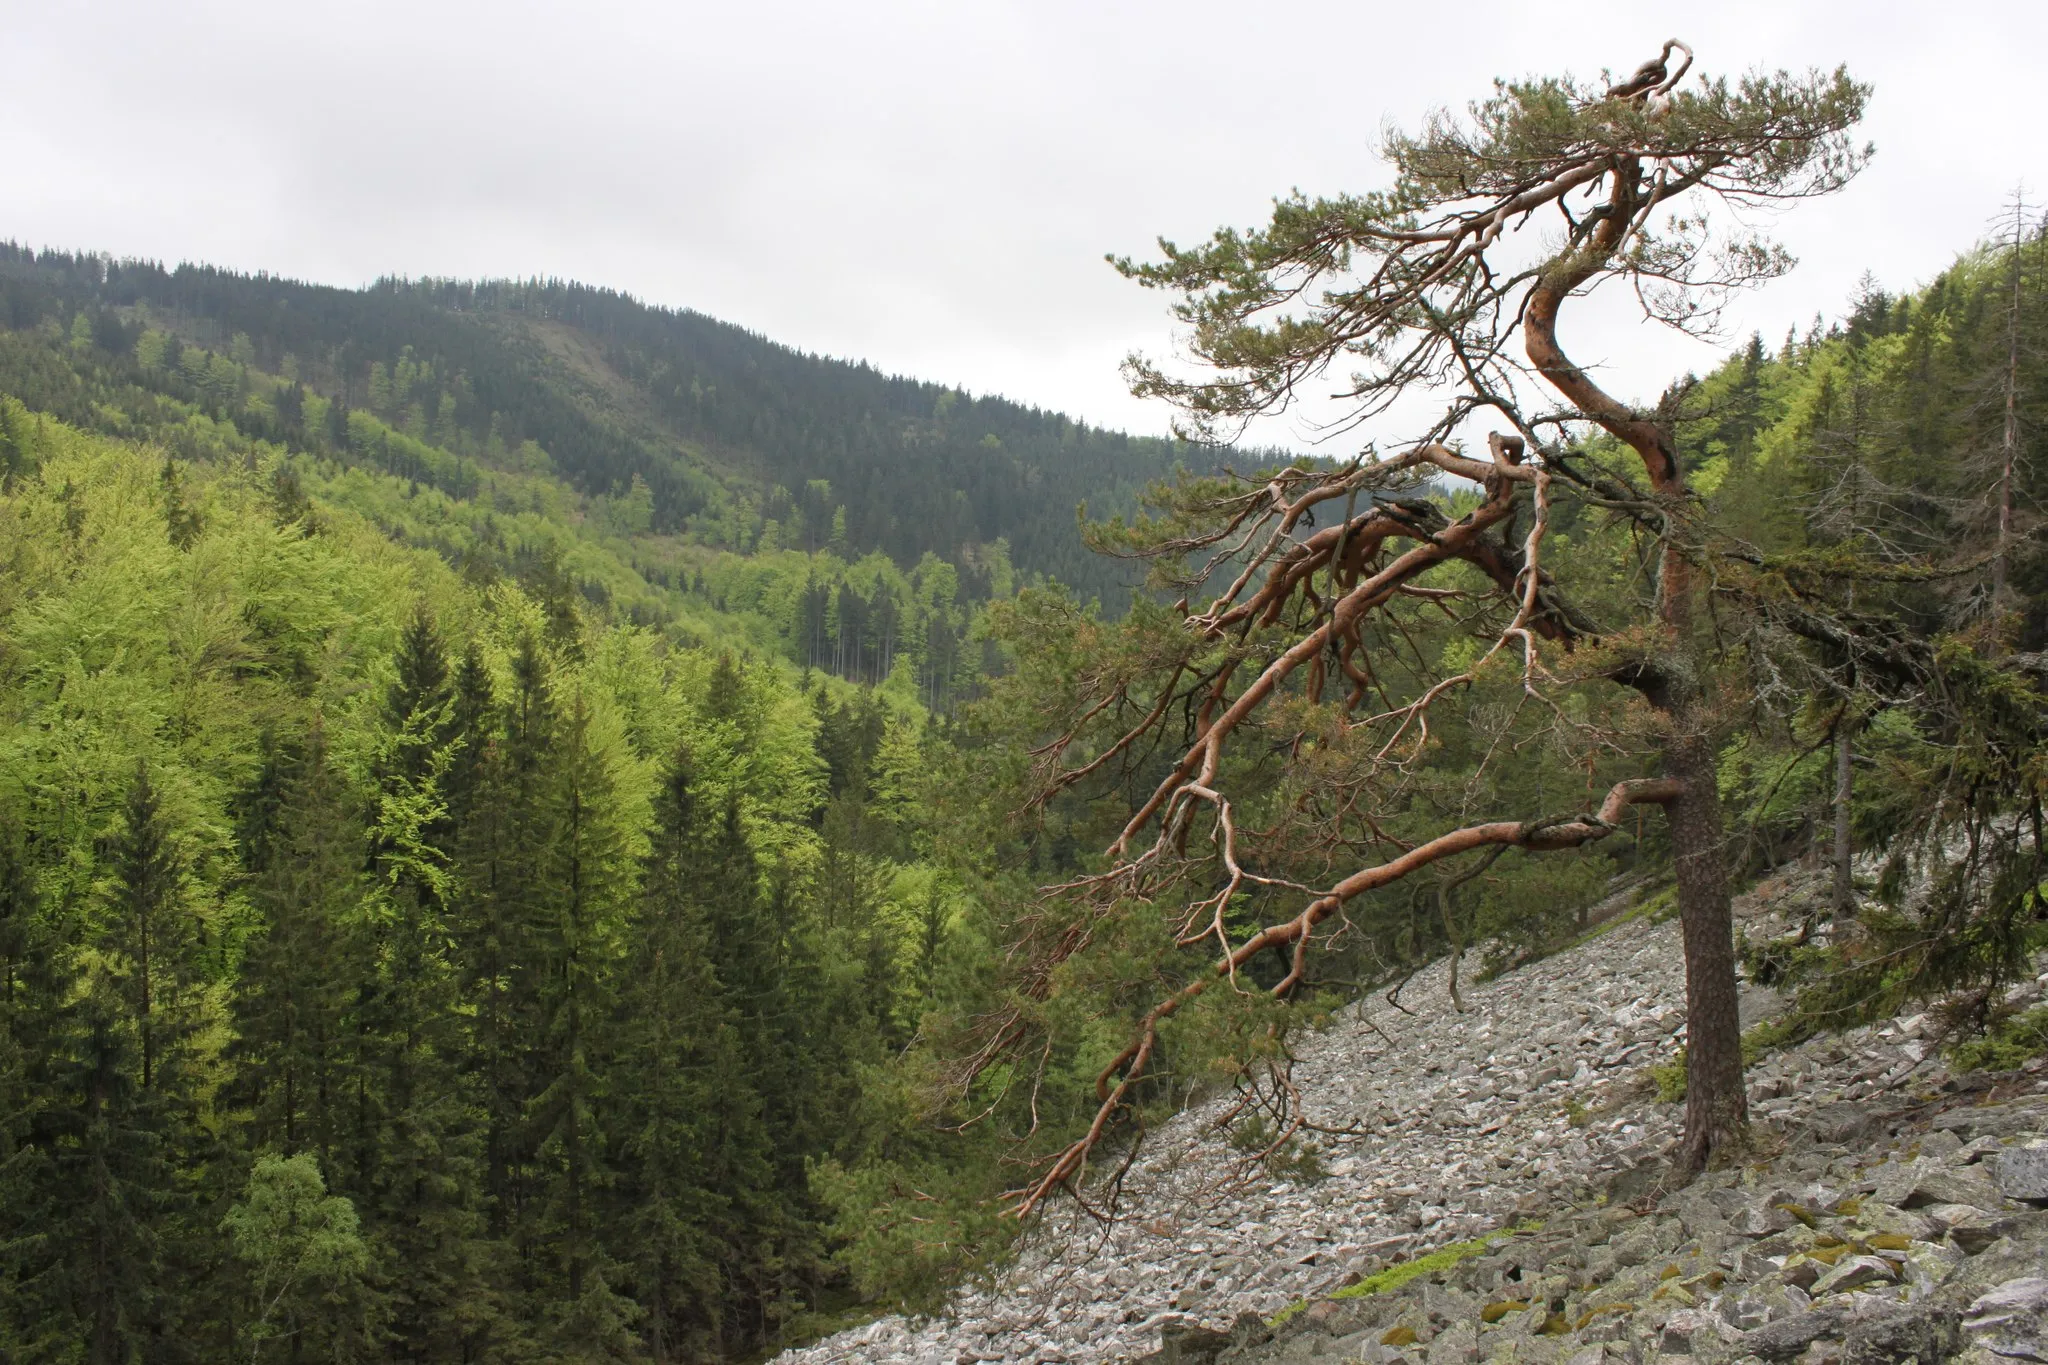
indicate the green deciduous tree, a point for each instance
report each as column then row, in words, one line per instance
column 305, row 1256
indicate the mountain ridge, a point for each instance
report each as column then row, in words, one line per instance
column 729, row 429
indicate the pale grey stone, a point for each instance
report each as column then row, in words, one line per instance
column 2022, row 1173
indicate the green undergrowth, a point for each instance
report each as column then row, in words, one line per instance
column 1293, row 1160
column 1669, row 1078
column 2008, row 1045
column 1443, row 1258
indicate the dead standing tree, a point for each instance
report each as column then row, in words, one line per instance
column 1452, row 283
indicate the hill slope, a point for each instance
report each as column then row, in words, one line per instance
column 1447, row 1129
column 535, row 953
column 739, row 441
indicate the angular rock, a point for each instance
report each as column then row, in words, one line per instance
column 1925, row 1333
column 1444, row 1304
column 2022, row 1173
column 1689, row 1331
column 1992, row 1120
column 2007, row 1259
column 1787, row 1337
column 1803, row 1273
column 2012, row 1320
column 2024, row 1295
column 1455, row 1345
column 1978, row 1230
column 1944, row 1186
column 1760, row 1220
column 1918, row 1224
column 1187, row 1344
column 1853, row 1272
column 1927, row 1266
column 1841, row 1123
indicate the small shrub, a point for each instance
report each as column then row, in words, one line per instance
column 1773, row 1034
column 1251, row 1134
column 2009, row 1044
column 1658, row 907
column 1670, row 1079
column 1294, row 1159
column 1781, row 961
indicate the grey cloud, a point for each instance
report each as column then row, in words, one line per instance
column 928, row 186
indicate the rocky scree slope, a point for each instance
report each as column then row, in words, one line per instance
column 1499, row 1200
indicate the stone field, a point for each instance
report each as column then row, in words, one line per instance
column 1893, row 1212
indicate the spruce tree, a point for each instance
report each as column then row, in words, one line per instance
column 419, row 703
column 694, row 1153
column 472, row 723
column 150, row 931
column 121, row 1115
column 31, row 1012
column 295, row 1044
column 584, row 885
column 421, row 1186
column 502, row 845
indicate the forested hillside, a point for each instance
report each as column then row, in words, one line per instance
column 399, row 968
column 732, row 442
column 483, row 878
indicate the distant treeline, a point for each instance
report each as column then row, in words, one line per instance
column 730, row 434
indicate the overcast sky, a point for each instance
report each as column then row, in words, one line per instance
column 929, row 186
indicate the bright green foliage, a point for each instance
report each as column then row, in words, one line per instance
column 453, row 810
column 337, row 883
column 2010, row 1043
column 798, row 484
column 305, row 1256
column 1443, row 1258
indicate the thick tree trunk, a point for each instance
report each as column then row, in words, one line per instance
column 1716, row 1107
column 1844, row 889
column 1443, row 902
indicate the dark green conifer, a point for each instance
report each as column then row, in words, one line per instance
column 296, row 1068
column 584, row 883
column 694, row 1154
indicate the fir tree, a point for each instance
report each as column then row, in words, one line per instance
column 182, row 521
column 31, row 1014
column 120, row 1121
column 295, row 1044
column 586, row 878
column 695, row 1156
column 150, row 931
column 502, row 847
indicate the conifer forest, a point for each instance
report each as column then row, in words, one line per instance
column 537, row 827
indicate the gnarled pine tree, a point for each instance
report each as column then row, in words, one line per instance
column 1449, row 285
